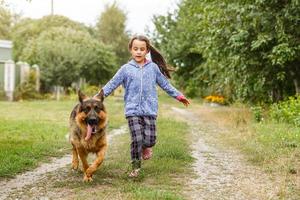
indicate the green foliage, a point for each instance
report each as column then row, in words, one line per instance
column 90, row 90
column 111, row 31
column 29, row 29
column 257, row 113
column 245, row 50
column 2, row 95
column 59, row 52
column 27, row 90
column 5, row 23
column 64, row 50
column 287, row 111
column 100, row 63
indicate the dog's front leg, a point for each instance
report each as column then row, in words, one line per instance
column 100, row 157
column 75, row 161
column 85, row 165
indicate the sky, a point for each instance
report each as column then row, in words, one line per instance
column 139, row 12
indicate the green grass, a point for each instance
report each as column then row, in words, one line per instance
column 276, row 148
column 31, row 132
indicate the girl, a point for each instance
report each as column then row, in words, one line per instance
column 139, row 78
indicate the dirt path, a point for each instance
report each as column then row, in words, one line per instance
column 222, row 173
column 29, row 180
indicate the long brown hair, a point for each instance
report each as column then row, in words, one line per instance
column 155, row 55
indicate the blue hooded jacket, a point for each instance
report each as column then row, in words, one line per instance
column 140, row 88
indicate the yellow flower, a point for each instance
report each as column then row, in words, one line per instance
column 215, row 99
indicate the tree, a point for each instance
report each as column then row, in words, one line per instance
column 8, row 20
column 65, row 55
column 246, row 50
column 29, row 29
column 65, row 51
column 110, row 30
column 5, row 23
column 100, row 65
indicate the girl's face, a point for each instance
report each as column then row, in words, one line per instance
column 139, row 51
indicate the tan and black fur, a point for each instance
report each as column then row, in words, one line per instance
column 89, row 111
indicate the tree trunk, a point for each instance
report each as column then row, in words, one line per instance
column 297, row 88
column 294, row 72
column 276, row 94
column 57, row 93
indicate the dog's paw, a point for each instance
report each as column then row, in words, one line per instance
column 90, row 170
column 74, row 166
column 87, row 178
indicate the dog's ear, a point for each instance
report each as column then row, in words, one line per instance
column 81, row 96
column 100, row 95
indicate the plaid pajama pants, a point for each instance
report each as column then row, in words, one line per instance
column 143, row 135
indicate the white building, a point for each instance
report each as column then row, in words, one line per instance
column 11, row 74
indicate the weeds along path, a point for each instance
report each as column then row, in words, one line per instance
column 222, row 173
column 32, row 177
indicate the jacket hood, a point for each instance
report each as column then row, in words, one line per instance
column 133, row 63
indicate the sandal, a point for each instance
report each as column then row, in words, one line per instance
column 147, row 153
column 134, row 173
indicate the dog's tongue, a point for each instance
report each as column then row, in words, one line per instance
column 89, row 132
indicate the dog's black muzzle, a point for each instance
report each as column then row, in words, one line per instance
column 92, row 118
column 93, row 121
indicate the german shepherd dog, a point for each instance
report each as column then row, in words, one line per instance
column 88, row 122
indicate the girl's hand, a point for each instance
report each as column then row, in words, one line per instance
column 183, row 100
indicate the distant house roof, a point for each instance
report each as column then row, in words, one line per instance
column 6, row 44
column 5, row 50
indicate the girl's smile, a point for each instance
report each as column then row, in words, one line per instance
column 139, row 51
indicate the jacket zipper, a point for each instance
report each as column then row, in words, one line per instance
column 141, row 90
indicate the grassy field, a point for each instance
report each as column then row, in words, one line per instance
column 267, row 143
column 31, row 132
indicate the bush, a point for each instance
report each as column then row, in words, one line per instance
column 258, row 113
column 2, row 95
column 287, row 111
column 90, row 90
column 27, row 90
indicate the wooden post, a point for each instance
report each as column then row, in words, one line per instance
column 24, row 70
column 9, row 79
column 37, row 77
